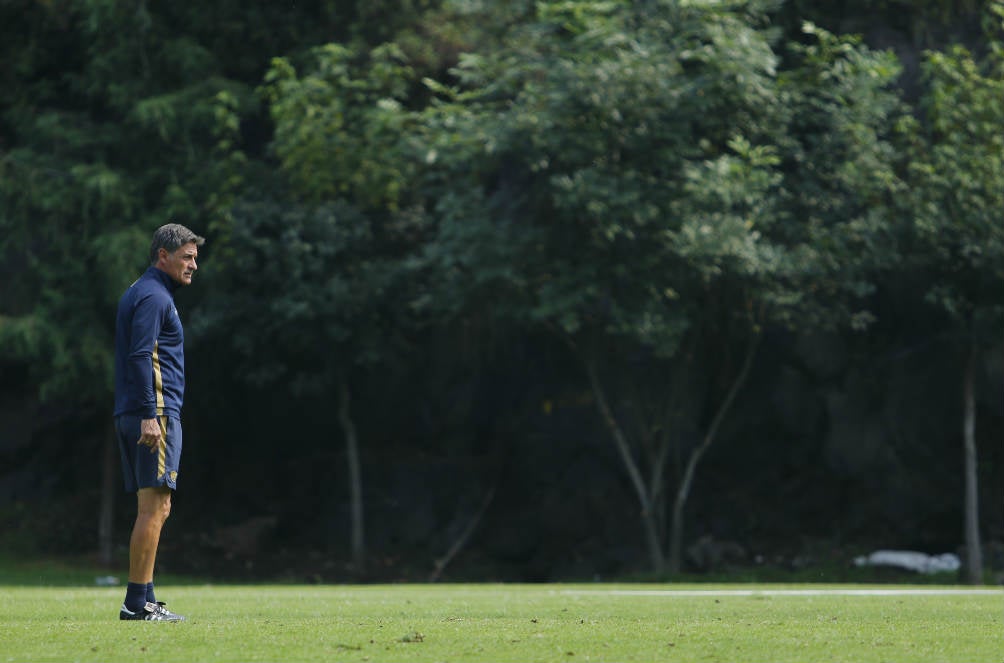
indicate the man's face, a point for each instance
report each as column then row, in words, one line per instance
column 179, row 265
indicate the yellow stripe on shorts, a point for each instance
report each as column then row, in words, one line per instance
column 162, row 448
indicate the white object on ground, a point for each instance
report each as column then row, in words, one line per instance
column 911, row 560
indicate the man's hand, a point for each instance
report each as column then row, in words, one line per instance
column 149, row 434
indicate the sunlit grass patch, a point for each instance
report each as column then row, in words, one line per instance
column 507, row 623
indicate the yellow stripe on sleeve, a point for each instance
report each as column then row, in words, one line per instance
column 158, row 381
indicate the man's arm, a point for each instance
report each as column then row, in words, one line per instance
column 146, row 324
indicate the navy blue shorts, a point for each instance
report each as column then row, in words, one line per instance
column 141, row 467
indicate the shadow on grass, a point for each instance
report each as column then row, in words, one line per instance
column 72, row 572
column 85, row 572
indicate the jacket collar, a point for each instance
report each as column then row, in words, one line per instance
column 163, row 277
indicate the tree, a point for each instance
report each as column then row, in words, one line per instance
column 332, row 237
column 294, row 318
column 957, row 176
column 620, row 173
column 582, row 149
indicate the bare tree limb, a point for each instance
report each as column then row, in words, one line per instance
column 683, row 492
column 461, row 541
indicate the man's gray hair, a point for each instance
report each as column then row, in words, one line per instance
column 172, row 236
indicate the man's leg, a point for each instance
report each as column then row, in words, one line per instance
column 153, row 506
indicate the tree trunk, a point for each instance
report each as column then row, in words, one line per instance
column 974, row 556
column 648, row 512
column 106, row 516
column 355, row 475
column 683, row 492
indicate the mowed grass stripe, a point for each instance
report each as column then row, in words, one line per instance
column 508, row 623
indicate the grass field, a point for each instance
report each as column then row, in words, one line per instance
column 595, row 622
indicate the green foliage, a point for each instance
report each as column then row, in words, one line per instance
column 582, row 138
column 322, row 294
column 662, row 137
column 337, row 128
column 957, row 172
column 840, row 163
column 93, row 160
column 341, row 237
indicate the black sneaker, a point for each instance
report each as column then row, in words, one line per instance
column 151, row 612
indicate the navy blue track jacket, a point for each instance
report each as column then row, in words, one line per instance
column 149, row 349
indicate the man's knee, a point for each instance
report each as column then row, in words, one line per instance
column 165, row 508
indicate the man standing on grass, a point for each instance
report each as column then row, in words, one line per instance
column 149, row 388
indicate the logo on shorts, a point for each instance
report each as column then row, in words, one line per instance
column 174, row 476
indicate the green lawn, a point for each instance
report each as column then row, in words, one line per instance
column 596, row 622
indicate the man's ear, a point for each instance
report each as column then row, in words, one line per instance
column 162, row 254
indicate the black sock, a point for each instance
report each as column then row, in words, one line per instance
column 135, row 596
column 149, row 593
